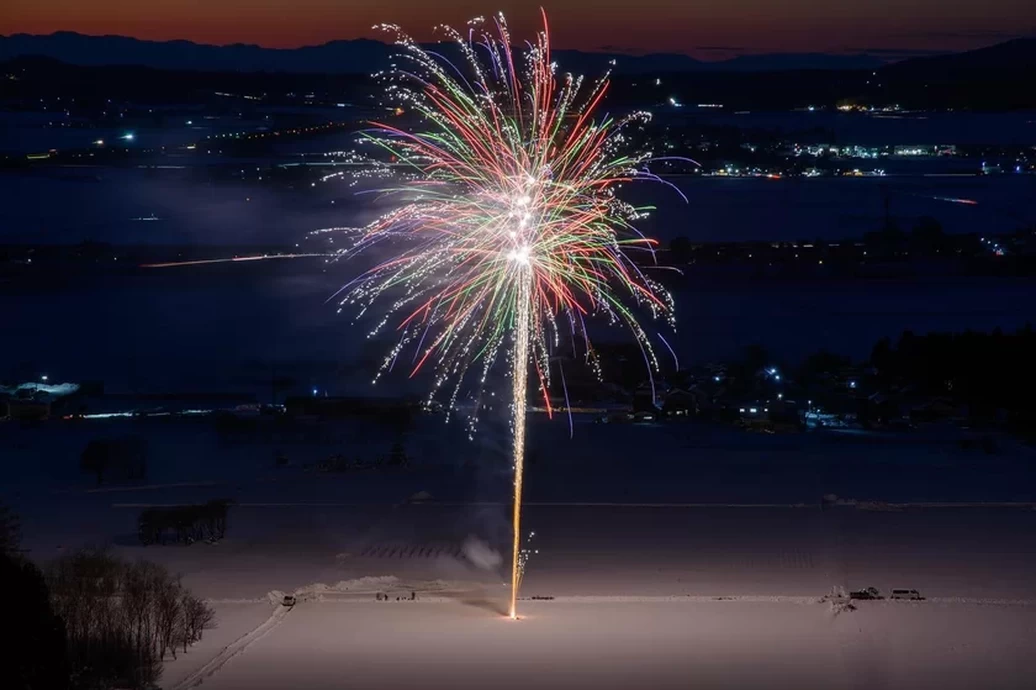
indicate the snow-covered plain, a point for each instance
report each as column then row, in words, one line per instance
column 657, row 644
column 234, row 620
column 676, row 556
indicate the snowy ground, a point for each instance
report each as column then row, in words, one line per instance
column 658, row 644
column 702, row 562
column 233, row 621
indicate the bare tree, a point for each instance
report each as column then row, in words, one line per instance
column 122, row 617
column 170, row 614
column 198, row 616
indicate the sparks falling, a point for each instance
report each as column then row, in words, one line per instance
column 510, row 234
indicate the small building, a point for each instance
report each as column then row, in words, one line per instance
column 644, row 398
column 27, row 409
column 680, row 402
column 754, row 411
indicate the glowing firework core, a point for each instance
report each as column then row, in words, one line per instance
column 520, row 255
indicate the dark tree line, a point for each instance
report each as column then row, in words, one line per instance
column 184, row 524
column 396, row 458
column 91, row 621
column 35, row 652
column 122, row 618
column 991, row 373
column 10, row 531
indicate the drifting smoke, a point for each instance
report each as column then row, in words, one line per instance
column 481, row 555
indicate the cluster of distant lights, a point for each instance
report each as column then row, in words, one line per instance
column 754, row 172
column 239, row 95
column 770, row 373
column 735, row 171
column 137, row 414
column 848, row 151
column 856, row 108
column 44, row 379
column 275, row 133
column 857, row 172
column 993, row 246
column 128, row 136
column 674, row 102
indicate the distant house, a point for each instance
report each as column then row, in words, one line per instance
column 644, row 398
column 933, row 410
column 681, row 402
column 753, row 411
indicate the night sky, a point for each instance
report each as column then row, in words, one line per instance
column 707, row 29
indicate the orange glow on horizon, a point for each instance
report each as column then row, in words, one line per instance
column 704, row 30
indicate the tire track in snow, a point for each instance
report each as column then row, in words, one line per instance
column 233, row 649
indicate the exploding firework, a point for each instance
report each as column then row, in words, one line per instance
column 509, row 234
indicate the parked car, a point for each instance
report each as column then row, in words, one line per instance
column 288, row 600
column 870, row 593
column 911, row 594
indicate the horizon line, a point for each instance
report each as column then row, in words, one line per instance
column 886, row 54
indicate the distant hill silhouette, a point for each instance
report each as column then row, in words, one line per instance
column 364, row 56
column 999, row 77
column 360, row 55
column 1015, row 55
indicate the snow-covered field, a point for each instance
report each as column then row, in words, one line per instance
column 702, row 562
column 234, row 621
column 657, row 644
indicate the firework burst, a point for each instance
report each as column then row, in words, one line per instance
column 509, row 235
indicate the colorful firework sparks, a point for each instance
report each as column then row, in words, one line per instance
column 510, row 234
column 524, row 555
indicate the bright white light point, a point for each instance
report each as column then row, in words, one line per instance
column 523, row 200
column 521, row 255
